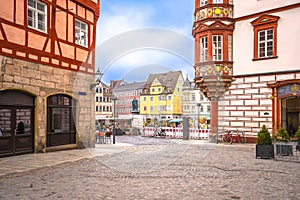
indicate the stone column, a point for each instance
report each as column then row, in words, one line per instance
column 214, row 115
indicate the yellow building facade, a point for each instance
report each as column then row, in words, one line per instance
column 161, row 98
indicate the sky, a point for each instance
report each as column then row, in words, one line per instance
column 139, row 37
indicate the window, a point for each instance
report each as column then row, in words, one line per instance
column 151, row 98
column 201, row 97
column 153, row 89
column 193, row 97
column 265, row 43
column 151, row 108
column 37, row 15
column 145, row 108
column 208, row 108
column 217, row 48
column 145, row 98
column 218, row 1
column 203, row 49
column 97, row 108
column 159, row 89
column 265, row 37
column 97, row 99
column 169, row 97
column 61, row 120
column 81, row 33
column 203, row 2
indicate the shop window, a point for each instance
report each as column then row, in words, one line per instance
column 61, row 124
column 265, row 37
column 37, row 15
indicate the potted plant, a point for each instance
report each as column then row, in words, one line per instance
column 282, row 143
column 264, row 146
column 297, row 135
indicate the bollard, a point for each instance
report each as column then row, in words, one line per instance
column 186, row 128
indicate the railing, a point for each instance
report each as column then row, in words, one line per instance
column 177, row 133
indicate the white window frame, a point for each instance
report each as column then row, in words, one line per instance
column 217, row 1
column 203, row 2
column 81, row 33
column 264, row 43
column 217, row 47
column 203, row 49
column 37, row 13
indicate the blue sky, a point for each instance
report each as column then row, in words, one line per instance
column 138, row 37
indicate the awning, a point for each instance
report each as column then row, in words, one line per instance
column 175, row 120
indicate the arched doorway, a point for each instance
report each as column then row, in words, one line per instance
column 61, row 120
column 290, row 113
column 286, row 105
column 16, row 123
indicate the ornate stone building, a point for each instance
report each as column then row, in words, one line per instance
column 246, row 61
column 47, row 70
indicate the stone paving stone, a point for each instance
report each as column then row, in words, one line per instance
column 201, row 171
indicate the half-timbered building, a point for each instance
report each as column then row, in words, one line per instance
column 47, row 69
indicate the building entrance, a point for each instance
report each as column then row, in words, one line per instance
column 16, row 123
column 291, row 114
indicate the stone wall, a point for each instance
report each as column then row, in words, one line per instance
column 42, row 81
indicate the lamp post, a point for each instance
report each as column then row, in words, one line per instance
column 114, row 98
column 98, row 75
column 198, row 105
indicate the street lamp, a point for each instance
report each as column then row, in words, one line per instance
column 114, row 98
column 98, row 76
column 198, row 105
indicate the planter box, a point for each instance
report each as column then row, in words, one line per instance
column 264, row 151
column 284, row 149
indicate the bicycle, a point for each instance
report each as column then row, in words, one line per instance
column 238, row 136
column 227, row 137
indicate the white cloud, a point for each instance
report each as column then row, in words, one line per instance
column 120, row 20
column 122, row 46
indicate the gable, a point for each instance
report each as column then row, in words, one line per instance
column 265, row 19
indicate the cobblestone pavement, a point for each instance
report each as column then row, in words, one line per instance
column 193, row 170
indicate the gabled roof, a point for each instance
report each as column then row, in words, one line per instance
column 167, row 79
column 187, row 83
column 129, row 86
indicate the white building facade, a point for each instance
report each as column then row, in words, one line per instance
column 266, row 70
